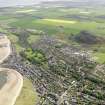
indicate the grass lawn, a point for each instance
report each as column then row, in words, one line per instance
column 28, row 95
column 3, row 17
column 99, row 57
column 33, row 38
column 15, row 40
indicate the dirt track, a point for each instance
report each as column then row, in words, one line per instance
column 11, row 90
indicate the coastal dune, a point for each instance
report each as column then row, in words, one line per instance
column 12, row 88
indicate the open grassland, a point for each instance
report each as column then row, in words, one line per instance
column 27, row 96
column 49, row 20
column 99, row 57
column 32, row 38
column 15, row 40
column 59, row 22
column 3, row 17
column 51, row 27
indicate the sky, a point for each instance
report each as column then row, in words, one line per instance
column 17, row 2
column 5, row 3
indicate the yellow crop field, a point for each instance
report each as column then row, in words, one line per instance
column 26, row 11
column 60, row 21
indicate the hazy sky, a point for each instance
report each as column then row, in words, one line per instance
column 19, row 2
column 4, row 3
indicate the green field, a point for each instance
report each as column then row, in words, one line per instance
column 28, row 95
column 99, row 57
column 60, row 23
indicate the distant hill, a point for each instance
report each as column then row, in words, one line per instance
column 74, row 3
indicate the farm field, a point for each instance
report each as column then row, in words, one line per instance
column 57, row 23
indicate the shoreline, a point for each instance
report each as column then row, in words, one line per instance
column 11, row 90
